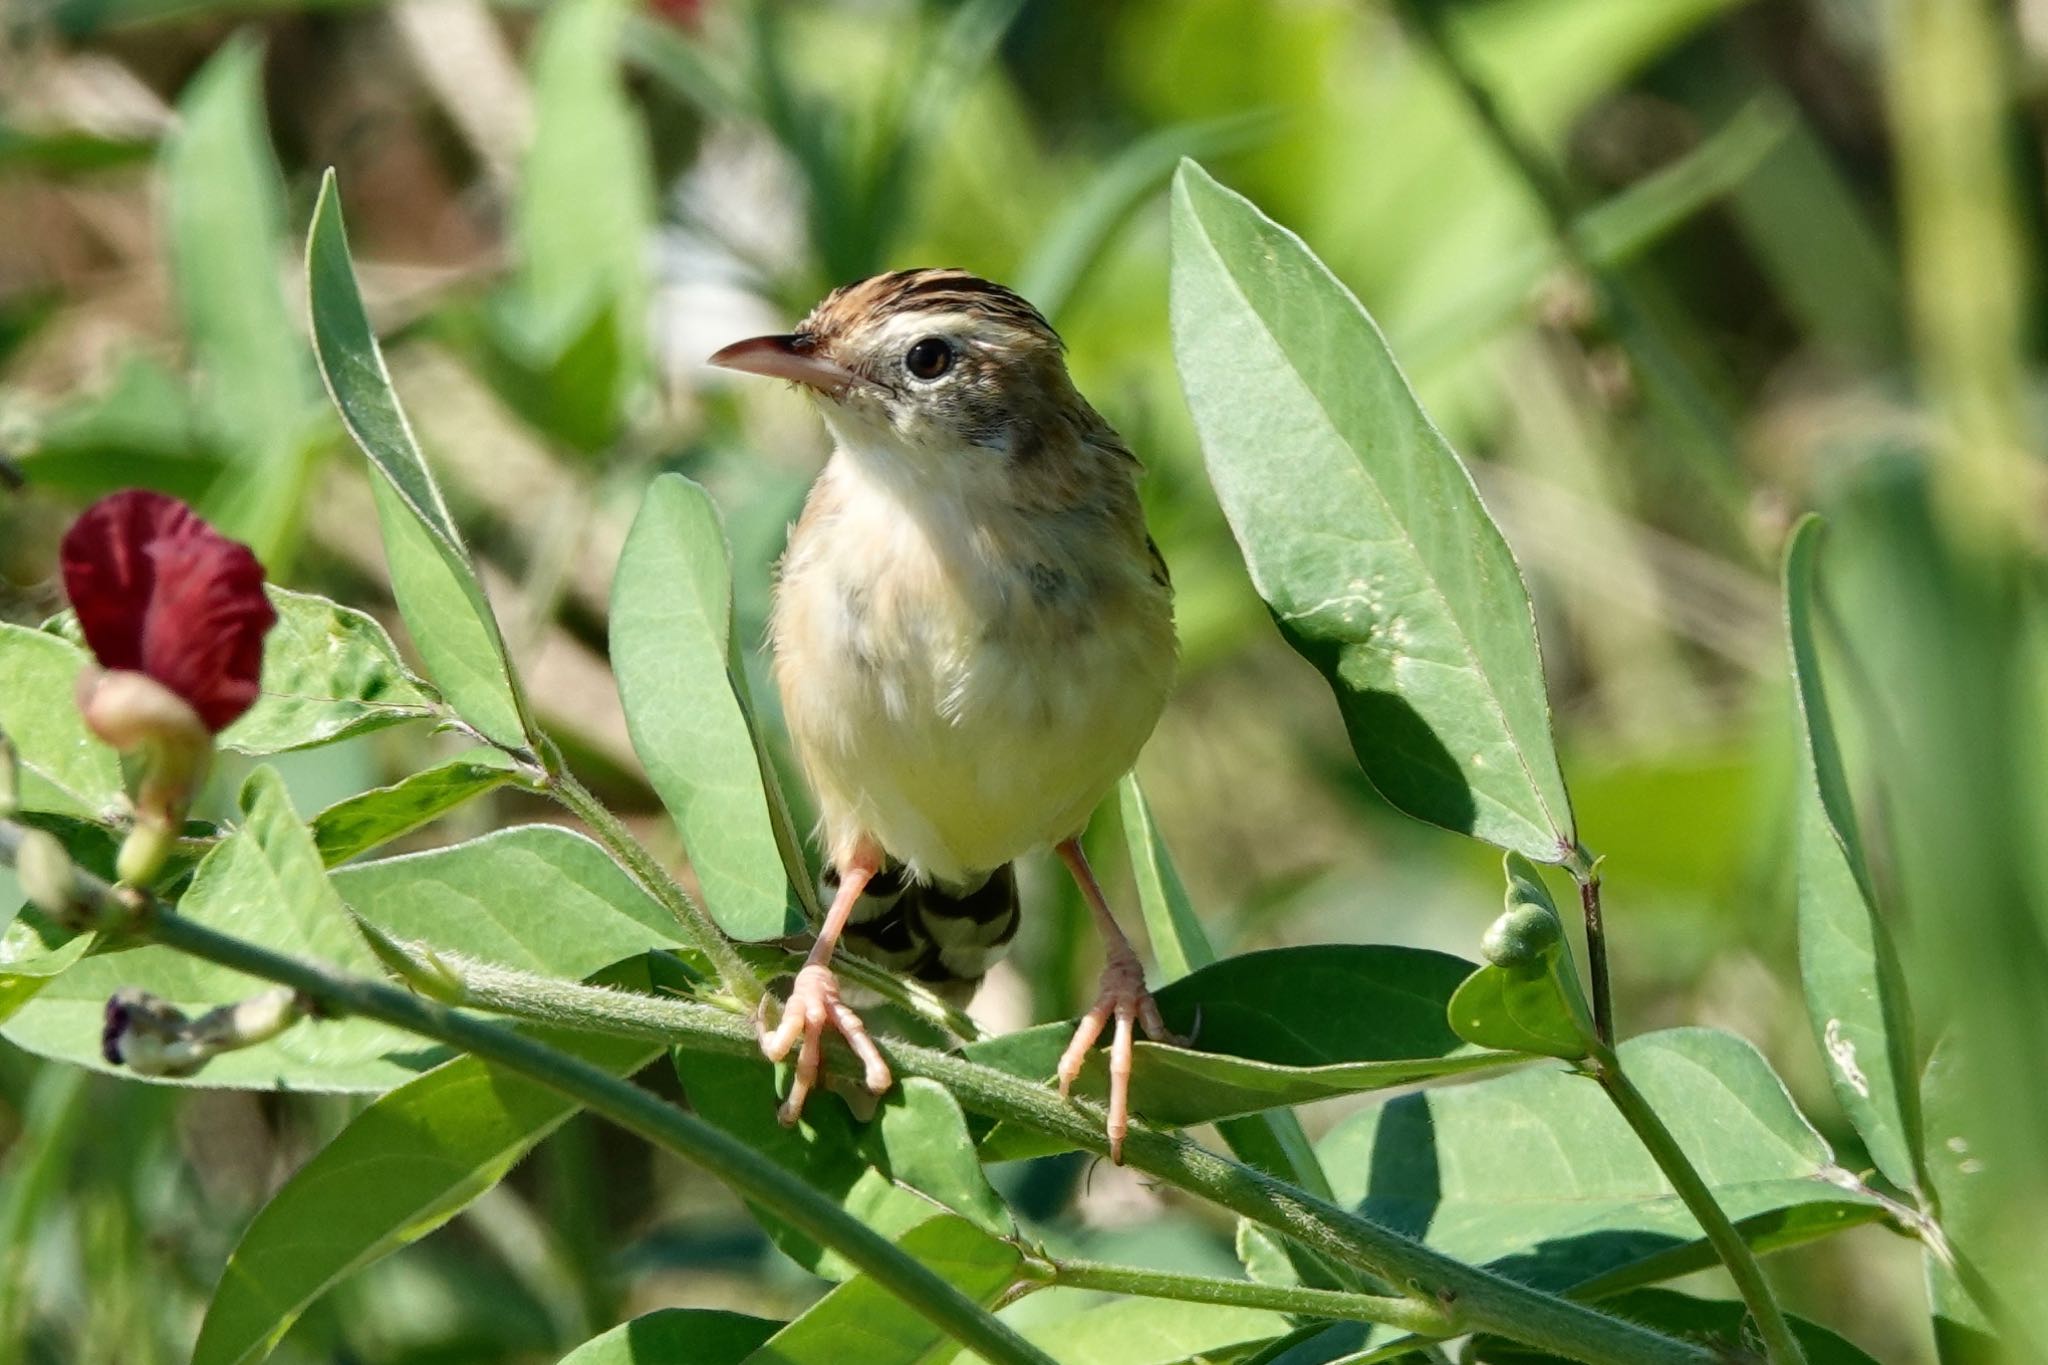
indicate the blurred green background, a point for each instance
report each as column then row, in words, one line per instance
column 1668, row 273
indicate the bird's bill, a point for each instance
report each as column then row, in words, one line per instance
column 785, row 357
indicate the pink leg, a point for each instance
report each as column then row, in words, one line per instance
column 814, row 1003
column 1120, row 996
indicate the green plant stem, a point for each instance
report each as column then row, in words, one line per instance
column 1409, row 1315
column 1481, row 1300
column 749, row 1174
column 738, row 979
column 1585, row 870
column 1779, row 1343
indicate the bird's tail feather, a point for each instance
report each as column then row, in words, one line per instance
column 946, row 936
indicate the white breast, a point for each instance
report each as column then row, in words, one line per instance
column 962, row 685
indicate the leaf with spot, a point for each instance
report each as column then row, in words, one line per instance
column 329, row 672
column 1362, row 529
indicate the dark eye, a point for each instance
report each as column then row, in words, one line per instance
column 929, row 359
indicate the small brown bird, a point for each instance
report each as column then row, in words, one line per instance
column 973, row 638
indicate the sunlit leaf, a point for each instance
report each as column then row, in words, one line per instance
column 891, row 1172
column 1854, row 988
column 404, row 1166
column 264, row 883
column 368, row 819
column 329, row 672
column 1153, row 1332
column 63, row 768
column 1527, row 998
column 1362, row 529
column 438, row 593
column 673, row 649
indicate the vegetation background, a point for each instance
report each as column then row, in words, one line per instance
column 1668, row 272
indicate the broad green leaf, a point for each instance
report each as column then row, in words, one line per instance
column 1719, row 1323
column 1854, row 987
column 889, row 1172
column 264, row 883
column 1152, row 1332
column 1526, row 999
column 537, row 898
column 35, row 949
column 673, row 649
column 586, row 211
column 401, row 1168
column 352, row 827
column 1277, row 1028
column 1362, row 530
column 329, row 672
column 438, row 592
column 1535, row 1175
column 860, row 1323
column 1179, row 942
column 63, row 768
column 225, row 210
column 699, row 1336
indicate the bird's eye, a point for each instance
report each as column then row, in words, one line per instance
column 929, row 359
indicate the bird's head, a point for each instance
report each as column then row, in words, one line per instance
column 933, row 366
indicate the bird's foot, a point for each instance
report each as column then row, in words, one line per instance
column 813, row 1007
column 1121, row 997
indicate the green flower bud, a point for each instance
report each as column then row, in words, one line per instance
column 1522, row 937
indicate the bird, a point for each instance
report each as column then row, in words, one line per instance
column 972, row 637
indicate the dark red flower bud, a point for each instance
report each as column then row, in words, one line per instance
column 160, row 592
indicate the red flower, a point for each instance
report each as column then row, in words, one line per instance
column 160, row 592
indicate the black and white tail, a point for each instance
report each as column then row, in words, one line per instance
column 944, row 936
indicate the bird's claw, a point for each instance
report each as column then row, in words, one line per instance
column 813, row 1008
column 1123, row 999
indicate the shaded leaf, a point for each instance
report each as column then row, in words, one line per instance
column 673, row 650
column 329, row 672
column 537, row 898
column 401, row 1168
column 264, row 883
column 438, row 593
column 1714, row 1322
column 1527, row 998
column 1854, row 988
column 891, row 1172
column 700, row 1336
column 63, row 768
column 1280, row 1027
column 1533, row 1175
column 368, row 819
column 860, row 1323
column 1362, row 530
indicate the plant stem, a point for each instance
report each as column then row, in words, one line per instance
column 751, row 1175
column 1409, row 1315
column 1585, row 870
column 733, row 973
column 1480, row 1300
column 1779, row 1343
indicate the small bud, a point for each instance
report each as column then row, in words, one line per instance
column 416, row 964
column 152, row 1037
column 1523, row 936
column 136, row 714
column 47, row 877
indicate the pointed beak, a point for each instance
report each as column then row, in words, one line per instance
column 787, row 357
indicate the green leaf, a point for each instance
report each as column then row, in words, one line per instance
column 1531, row 1174
column 700, row 1336
column 141, row 431
column 860, row 1323
column 1277, row 1028
column 585, row 215
column 1527, row 998
column 264, row 883
column 225, row 210
column 437, row 588
column 401, row 1168
column 352, row 827
column 674, row 651
column 1719, row 1323
column 63, row 768
column 1855, row 989
column 329, row 672
column 1153, row 1332
column 888, row 1172
column 1179, row 942
column 1362, row 530
column 538, row 898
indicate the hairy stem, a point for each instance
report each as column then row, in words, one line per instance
column 733, row 973
column 1409, row 1315
column 1779, row 1343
